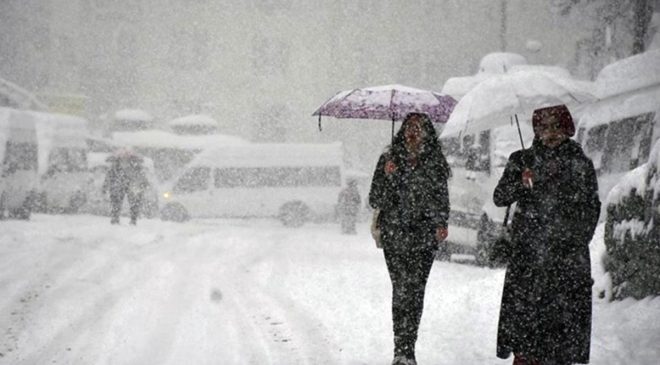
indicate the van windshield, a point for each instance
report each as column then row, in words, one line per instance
column 195, row 179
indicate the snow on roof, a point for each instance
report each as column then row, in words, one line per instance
column 459, row 86
column 271, row 154
column 500, row 62
column 133, row 115
column 163, row 139
column 554, row 70
column 194, row 120
column 621, row 106
column 629, row 74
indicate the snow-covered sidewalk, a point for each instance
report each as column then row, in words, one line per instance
column 75, row 290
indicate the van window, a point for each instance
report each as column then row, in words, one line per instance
column 253, row 177
column 194, row 179
column 627, row 143
column 20, row 156
column 477, row 154
column 67, row 160
column 596, row 140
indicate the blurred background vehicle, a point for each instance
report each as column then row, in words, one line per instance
column 62, row 162
column 18, row 172
column 295, row 183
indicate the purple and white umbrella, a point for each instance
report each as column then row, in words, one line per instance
column 388, row 102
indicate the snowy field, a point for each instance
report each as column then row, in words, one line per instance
column 75, row 290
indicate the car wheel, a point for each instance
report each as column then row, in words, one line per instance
column 175, row 212
column 294, row 214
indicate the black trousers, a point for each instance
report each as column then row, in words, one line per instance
column 134, row 202
column 409, row 259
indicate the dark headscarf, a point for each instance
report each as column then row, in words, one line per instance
column 430, row 142
column 562, row 114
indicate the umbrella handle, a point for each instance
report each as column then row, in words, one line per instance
column 519, row 132
column 320, row 122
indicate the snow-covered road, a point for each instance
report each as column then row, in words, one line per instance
column 75, row 290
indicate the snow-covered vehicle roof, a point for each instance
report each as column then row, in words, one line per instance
column 500, row 62
column 163, row 139
column 628, row 74
column 460, row 85
column 193, row 120
column 625, row 88
column 133, row 115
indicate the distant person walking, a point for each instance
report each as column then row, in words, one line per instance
column 125, row 177
column 348, row 207
column 545, row 317
column 409, row 188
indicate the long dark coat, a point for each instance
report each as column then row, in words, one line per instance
column 546, row 300
column 412, row 199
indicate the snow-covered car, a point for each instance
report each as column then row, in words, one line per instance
column 99, row 203
column 632, row 232
column 63, row 162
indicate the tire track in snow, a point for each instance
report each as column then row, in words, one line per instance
column 289, row 330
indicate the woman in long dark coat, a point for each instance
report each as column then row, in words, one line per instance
column 545, row 317
column 409, row 187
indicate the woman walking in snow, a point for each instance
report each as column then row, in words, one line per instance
column 409, row 187
column 545, row 317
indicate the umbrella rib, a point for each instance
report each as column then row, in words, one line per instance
column 317, row 112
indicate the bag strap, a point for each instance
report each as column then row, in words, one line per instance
column 506, row 216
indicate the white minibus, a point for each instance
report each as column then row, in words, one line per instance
column 294, row 182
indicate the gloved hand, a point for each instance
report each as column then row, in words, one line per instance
column 441, row 233
column 528, row 178
column 390, row 167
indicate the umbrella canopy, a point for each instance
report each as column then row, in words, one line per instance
column 495, row 101
column 388, row 102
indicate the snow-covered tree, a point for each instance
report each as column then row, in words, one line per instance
column 619, row 28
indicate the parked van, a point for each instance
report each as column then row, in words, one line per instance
column 477, row 163
column 63, row 162
column 293, row 182
column 618, row 131
column 18, row 154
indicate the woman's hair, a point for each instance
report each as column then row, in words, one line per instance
column 430, row 143
column 430, row 136
column 563, row 116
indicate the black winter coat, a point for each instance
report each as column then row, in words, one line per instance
column 411, row 199
column 546, row 300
